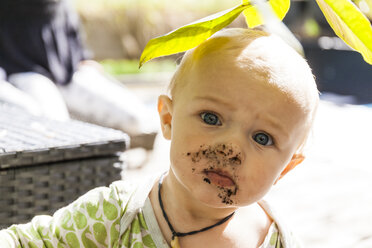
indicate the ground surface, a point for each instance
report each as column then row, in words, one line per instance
column 327, row 200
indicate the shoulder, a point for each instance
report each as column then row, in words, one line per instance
column 250, row 226
column 93, row 218
column 102, row 204
column 255, row 216
column 283, row 233
column 133, row 197
column 122, row 190
column 117, row 193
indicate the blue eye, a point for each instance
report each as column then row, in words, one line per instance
column 263, row 139
column 210, row 119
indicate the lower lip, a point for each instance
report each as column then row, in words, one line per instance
column 219, row 179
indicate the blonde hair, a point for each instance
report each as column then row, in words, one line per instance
column 215, row 44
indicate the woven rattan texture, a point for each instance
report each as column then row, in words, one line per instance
column 30, row 140
column 26, row 192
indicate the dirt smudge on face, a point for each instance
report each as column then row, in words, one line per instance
column 221, row 154
column 226, row 193
column 235, row 160
column 217, row 157
column 206, row 180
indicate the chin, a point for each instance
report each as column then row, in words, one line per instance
column 213, row 196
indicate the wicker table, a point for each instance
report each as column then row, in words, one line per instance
column 46, row 164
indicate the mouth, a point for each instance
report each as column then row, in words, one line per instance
column 219, row 178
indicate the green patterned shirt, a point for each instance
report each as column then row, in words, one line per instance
column 117, row 216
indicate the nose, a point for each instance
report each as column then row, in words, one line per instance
column 232, row 145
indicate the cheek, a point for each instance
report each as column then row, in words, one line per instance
column 267, row 173
column 255, row 180
column 184, row 140
column 181, row 145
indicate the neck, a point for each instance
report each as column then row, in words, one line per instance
column 185, row 212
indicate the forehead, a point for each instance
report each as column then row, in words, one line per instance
column 258, row 61
column 234, row 85
column 236, row 72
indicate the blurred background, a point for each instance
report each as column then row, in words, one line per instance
column 117, row 31
column 327, row 200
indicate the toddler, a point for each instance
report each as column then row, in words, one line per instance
column 241, row 107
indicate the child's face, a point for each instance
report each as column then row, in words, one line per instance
column 232, row 134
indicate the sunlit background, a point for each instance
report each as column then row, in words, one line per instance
column 327, row 200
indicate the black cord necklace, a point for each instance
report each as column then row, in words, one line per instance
column 175, row 235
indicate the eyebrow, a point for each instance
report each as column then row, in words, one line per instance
column 275, row 124
column 214, row 100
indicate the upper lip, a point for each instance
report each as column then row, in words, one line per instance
column 220, row 172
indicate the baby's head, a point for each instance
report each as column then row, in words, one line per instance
column 242, row 105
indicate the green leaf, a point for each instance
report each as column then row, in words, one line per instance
column 147, row 240
column 110, row 210
column 136, row 226
column 349, row 24
column 191, row 35
column 138, row 245
column 66, row 222
column 114, row 231
column 72, row 240
column 92, row 211
column 100, row 233
column 88, row 243
column 80, row 219
column 253, row 18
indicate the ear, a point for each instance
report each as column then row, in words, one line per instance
column 165, row 109
column 295, row 160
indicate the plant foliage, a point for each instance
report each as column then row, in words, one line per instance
column 253, row 17
column 347, row 21
column 191, row 35
column 349, row 24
